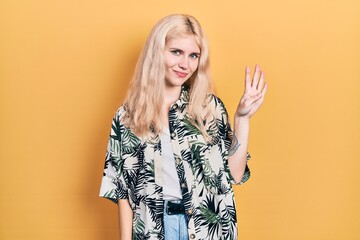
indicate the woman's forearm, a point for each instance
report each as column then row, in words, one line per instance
column 125, row 219
column 239, row 148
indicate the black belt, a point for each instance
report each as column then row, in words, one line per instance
column 174, row 207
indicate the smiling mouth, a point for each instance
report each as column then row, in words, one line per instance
column 180, row 74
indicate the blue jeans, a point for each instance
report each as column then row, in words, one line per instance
column 175, row 226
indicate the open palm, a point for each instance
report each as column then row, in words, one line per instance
column 254, row 93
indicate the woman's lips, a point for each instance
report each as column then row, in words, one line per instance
column 180, row 74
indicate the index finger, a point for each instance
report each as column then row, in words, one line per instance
column 247, row 78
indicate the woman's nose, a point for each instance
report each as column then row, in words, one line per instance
column 184, row 63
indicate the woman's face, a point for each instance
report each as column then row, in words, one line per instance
column 181, row 60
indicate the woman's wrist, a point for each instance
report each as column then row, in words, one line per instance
column 241, row 129
column 238, row 121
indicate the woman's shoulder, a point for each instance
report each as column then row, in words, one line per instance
column 121, row 113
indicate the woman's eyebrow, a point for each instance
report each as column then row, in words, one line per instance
column 175, row 48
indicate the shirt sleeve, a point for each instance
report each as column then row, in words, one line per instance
column 227, row 134
column 113, row 185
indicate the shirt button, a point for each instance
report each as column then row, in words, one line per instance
column 173, row 134
column 183, row 185
column 192, row 236
column 189, row 211
column 178, row 160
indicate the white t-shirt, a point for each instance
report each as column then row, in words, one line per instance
column 171, row 187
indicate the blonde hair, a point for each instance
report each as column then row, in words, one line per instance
column 145, row 95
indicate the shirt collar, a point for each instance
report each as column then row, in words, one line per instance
column 183, row 99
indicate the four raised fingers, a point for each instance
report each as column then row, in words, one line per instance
column 258, row 84
column 255, row 90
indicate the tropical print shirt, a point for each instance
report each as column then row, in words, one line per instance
column 133, row 170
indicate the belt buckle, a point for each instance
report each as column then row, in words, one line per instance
column 175, row 208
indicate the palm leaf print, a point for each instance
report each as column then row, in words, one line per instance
column 210, row 210
column 139, row 225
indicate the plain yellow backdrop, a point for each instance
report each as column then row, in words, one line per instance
column 65, row 68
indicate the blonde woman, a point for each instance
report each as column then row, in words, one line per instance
column 172, row 156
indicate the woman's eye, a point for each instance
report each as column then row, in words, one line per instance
column 194, row 55
column 176, row 52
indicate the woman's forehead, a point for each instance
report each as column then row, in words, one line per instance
column 188, row 42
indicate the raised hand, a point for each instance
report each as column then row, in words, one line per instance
column 254, row 93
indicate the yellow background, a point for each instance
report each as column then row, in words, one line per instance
column 65, row 68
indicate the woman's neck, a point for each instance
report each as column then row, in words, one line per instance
column 171, row 95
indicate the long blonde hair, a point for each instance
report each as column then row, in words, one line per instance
column 145, row 95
